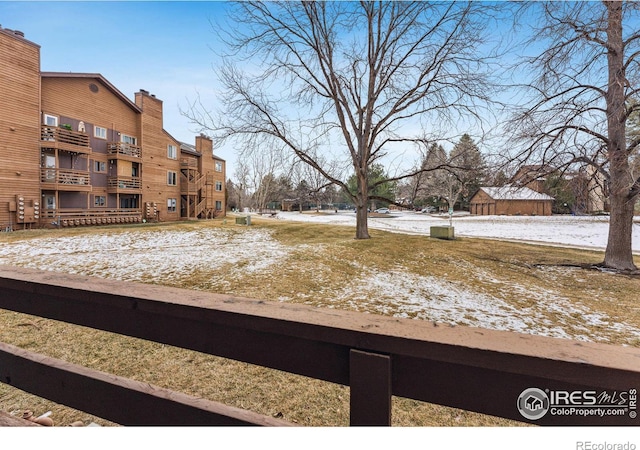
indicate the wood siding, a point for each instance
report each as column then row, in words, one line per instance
column 219, row 177
column 19, row 126
column 207, row 165
column 74, row 98
column 483, row 205
column 66, row 171
column 155, row 143
column 90, row 99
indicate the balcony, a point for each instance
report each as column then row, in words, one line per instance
column 124, row 151
column 124, row 185
column 189, row 163
column 65, row 179
column 63, row 139
column 73, row 217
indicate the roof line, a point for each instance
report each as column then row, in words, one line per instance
column 99, row 77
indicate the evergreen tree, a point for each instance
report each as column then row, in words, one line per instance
column 381, row 190
column 467, row 164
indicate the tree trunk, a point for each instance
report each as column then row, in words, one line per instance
column 618, row 254
column 362, row 199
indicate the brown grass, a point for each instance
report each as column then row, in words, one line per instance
column 320, row 269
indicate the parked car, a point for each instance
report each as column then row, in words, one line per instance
column 382, row 211
column 429, row 209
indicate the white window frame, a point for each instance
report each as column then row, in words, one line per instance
column 218, row 166
column 99, row 166
column 99, row 201
column 172, row 178
column 219, row 186
column 172, row 151
column 171, row 205
column 99, row 132
column 132, row 140
column 54, row 120
column 218, row 205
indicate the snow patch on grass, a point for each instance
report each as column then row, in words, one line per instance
column 580, row 231
column 403, row 294
column 210, row 258
column 157, row 256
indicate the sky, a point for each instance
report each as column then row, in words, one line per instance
column 164, row 47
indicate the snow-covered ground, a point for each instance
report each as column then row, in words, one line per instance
column 219, row 258
column 579, row 231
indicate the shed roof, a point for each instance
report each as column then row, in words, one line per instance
column 514, row 193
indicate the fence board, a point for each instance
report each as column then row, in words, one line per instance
column 469, row 368
column 118, row 399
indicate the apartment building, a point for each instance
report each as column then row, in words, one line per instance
column 202, row 191
column 76, row 151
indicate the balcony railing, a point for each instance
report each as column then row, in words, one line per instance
column 192, row 184
column 119, row 149
column 63, row 139
column 65, row 179
column 189, row 162
column 124, row 183
column 73, row 217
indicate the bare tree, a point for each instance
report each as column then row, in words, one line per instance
column 242, row 185
column 587, row 77
column 351, row 79
column 316, row 183
column 259, row 165
column 444, row 180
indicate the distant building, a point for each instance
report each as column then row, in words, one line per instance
column 76, row 151
column 533, row 176
column 510, row 200
column 585, row 184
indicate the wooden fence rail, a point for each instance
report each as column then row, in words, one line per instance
column 469, row 368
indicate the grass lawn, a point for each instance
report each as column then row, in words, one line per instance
column 471, row 282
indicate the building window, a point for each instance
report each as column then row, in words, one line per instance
column 218, row 205
column 99, row 166
column 129, row 202
column 219, row 186
column 100, row 132
column 218, row 166
column 50, row 120
column 99, row 201
column 129, row 139
column 171, row 204
column 172, row 178
column 172, row 152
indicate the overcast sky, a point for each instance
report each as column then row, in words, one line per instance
column 163, row 47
